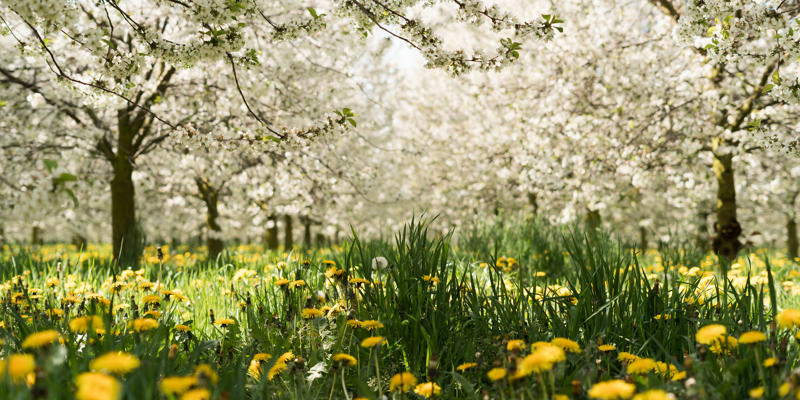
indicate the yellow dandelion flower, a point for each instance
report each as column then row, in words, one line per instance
column 655, row 394
column 151, row 299
column 345, row 359
column 197, row 394
column 144, row 324
column 570, row 346
column 82, row 324
column 723, row 346
column 372, row 341
column 641, row 366
column 281, row 282
column 606, row 347
column 183, row 328
column 710, row 334
column 788, row 318
column 614, row 389
column 310, row 313
column 115, row 362
column 18, row 366
column 756, row 393
column 286, row 357
column 177, row 385
column 466, row 366
column 97, row 386
column 427, row 389
column 626, row 357
column 52, row 282
column 495, row 374
column 769, row 362
column 276, row 369
column 540, row 360
column 784, row 389
column 40, row 339
column 224, row 322
column 371, row 325
column 515, row 345
column 205, row 372
column 296, row 284
column 752, row 337
column 402, row 382
column 353, row 323
column 262, row 356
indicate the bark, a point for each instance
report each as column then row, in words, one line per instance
column 306, row 232
column 533, row 202
column 288, row 233
column 271, row 236
column 36, row 236
column 593, row 220
column 702, row 238
column 321, row 240
column 791, row 240
column 210, row 197
column 643, row 238
column 727, row 230
column 125, row 234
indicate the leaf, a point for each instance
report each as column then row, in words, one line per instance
column 50, row 164
column 65, row 177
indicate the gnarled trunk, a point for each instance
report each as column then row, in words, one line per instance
column 124, row 232
column 533, row 203
column 726, row 242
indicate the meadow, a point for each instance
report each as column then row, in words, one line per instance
column 514, row 310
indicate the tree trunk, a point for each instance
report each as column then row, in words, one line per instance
column 125, row 234
column 727, row 229
column 643, row 238
column 210, row 197
column 271, row 236
column 791, row 240
column 593, row 220
column 321, row 240
column 79, row 241
column 307, row 232
column 533, row 202
column 702, row 228
column 288, row 233
column 36, row 236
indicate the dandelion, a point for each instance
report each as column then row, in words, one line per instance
column 115, row 362
column 788, row 318
column 224, row 322
column 97, row 386
column 82, row 324
column 310, row 313
column 515, row 345
column 144, row 324
column 570, row 346
column 542, row 359
column 151, row 299
column 466, row 366
column 18, row 366
column 276, row 369
column 177, row 385
column 205, row 372
column 197, row 394
column 359, row 281
column 710, row 334
column 345, row 359
column 724, row 346
column 183, row 328
column 495, row 374
column 40, row 339
column 655, row 394
column 752, row 337
column 297, row 284
column 402, row 382
column 614, row 389
column 626, row 357
column 427, row 389
column 756, row 393
column 281, row 282
column 353, row 323
column 769, row 362
column 372, row 341
column 371, row 325
column 606, row 347
column 641, row 366
column 784, row 389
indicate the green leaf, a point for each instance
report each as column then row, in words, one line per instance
column 50, row 164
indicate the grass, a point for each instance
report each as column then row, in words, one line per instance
column 260, row 324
